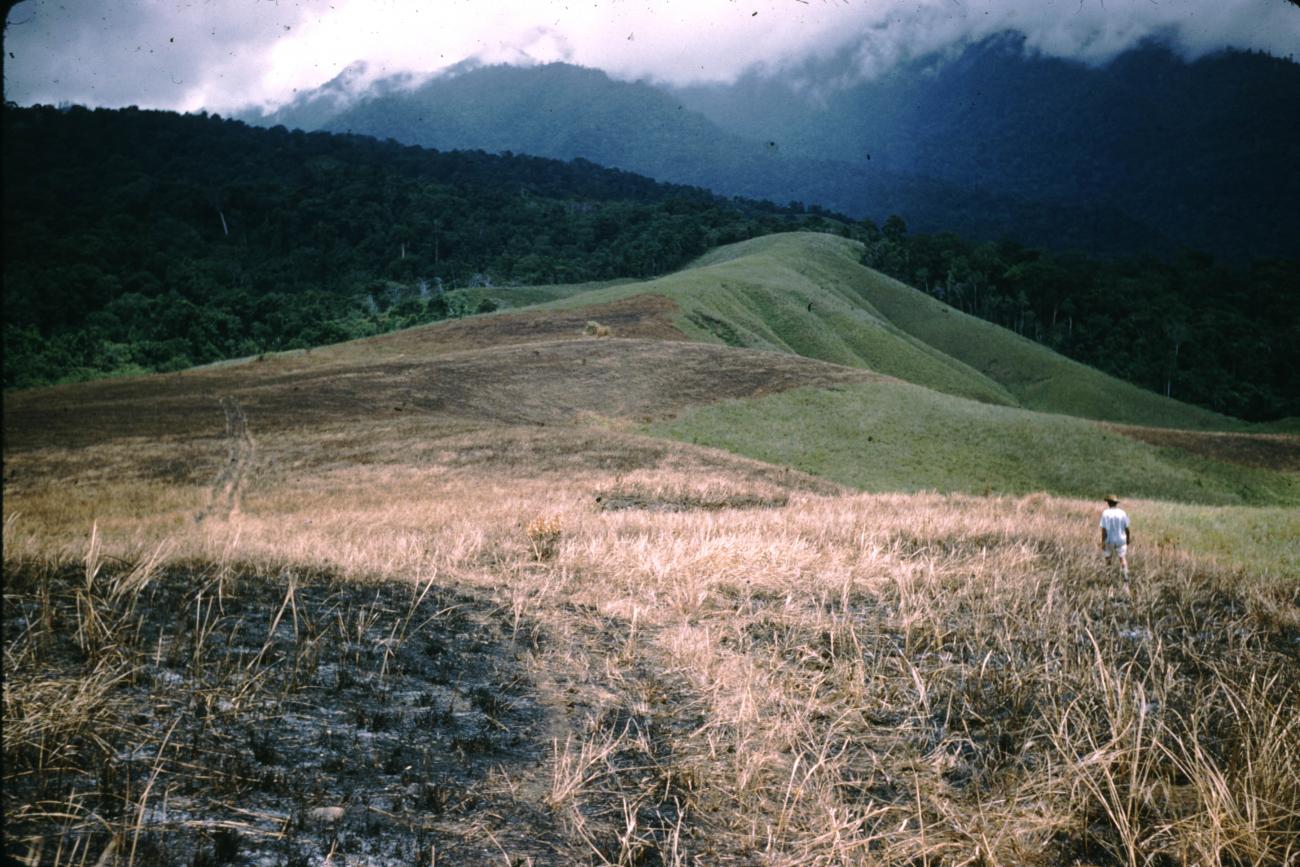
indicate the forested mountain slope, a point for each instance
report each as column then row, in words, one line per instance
column 138, row 240
column 562, row 111
column 1146, row 153
column 1203, row 151
column 148, row 241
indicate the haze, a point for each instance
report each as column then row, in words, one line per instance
column 222, row 55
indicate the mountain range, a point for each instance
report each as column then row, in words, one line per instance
column 1145, row 154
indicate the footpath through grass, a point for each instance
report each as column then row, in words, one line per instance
column 891, row 436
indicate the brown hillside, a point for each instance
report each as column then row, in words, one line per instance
column 551, row 382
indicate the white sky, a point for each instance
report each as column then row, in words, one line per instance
column 224, row 54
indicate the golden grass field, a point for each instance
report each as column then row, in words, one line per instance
column 672, row 655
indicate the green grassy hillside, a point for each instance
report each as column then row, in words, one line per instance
column 1289, row 425
column 970, row 407
column 808, row 294
column 1038, row 377
column 895, row 436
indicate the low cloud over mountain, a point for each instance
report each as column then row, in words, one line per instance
column 995, row 141
column 221, row 56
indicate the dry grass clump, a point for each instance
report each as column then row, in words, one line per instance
column 544, row 535
column 734, row 669
column 595, row 329
column 641, row 491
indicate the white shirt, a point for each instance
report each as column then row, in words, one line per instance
column 1115, row 521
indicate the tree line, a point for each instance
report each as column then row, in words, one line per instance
column 1189, row 327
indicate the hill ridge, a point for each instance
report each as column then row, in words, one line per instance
column 564, row 111
column 808, row 293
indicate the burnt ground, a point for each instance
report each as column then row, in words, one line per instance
column 208, row 718
column 539, row 383
column 385, row 374
column 1279, row 452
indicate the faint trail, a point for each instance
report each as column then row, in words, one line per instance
column 226, row 487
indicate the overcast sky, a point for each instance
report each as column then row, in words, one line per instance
column 223, row 54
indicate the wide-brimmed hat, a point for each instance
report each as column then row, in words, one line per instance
column 1112, row 499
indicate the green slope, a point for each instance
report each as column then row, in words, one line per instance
column 807, row 293
column 1038, row 377
column 892, row 436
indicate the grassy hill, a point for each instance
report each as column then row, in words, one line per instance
column 470, row 589
column 980, row 409
column 808, row 294
column 893, row 436
column 773, row 348
column 877, row 386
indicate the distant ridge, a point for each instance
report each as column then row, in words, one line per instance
column 1203, row 151
column 993, row 142
column 564, row 112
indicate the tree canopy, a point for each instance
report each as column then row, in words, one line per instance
column 1223, row 337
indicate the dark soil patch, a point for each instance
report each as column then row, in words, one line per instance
column 202, row 720
column 632, row 497
column 1266, row 451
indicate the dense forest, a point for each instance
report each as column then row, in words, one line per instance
column 1223, row 337
column 149, row 241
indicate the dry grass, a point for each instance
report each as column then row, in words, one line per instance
column 811, row 678
column 685, row 657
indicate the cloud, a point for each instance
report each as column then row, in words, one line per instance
column 221, row 54
column 881, row 34
column 143, row 52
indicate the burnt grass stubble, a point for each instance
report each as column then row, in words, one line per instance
column 245, row 711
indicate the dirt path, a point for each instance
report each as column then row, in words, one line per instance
column 223, row 498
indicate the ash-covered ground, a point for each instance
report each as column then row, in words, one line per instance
column 211, row 718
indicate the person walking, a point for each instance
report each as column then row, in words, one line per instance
column 1115, row 533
